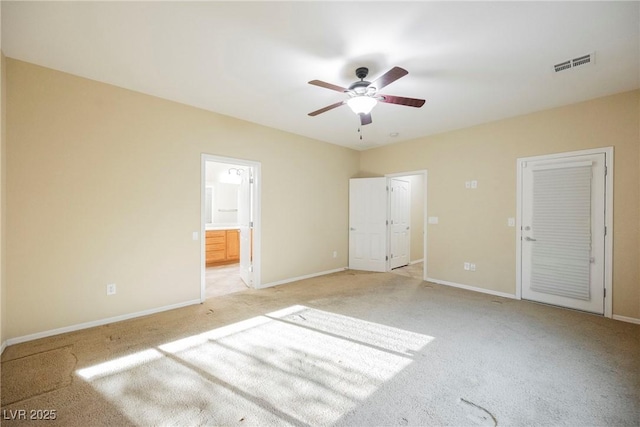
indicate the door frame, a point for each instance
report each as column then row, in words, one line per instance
column 424, row 173
column 255, row 202
column 608, row 218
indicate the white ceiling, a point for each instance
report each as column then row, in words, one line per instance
column 473, row 62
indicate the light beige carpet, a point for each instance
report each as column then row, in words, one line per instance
column 35, row 374
column 350, row 348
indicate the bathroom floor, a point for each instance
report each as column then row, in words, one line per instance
column 413, row 270
column 223, row 280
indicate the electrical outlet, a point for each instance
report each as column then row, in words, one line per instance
column 467, row 266
column 472, row 267
column 111, row 289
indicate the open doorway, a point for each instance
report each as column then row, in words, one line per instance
column 229, row 223
column 407, row 223
column 374, row 242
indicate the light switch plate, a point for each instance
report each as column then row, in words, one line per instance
column 474, row 184
column 194, row 236
column 511, row 222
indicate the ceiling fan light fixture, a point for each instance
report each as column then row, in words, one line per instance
column 362, row 104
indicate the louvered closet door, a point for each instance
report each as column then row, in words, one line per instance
column 563, row 232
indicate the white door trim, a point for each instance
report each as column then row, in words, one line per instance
column 257, row 278
column 424, row 173
column 608, row 240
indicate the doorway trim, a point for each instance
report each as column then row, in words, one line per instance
column 424, row 173
column 608, row 238
column 257, row 223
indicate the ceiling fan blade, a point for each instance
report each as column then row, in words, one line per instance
column 327, row 85
column 327, row 108
column 365, row 119
column 389, row 77
column 409, row 102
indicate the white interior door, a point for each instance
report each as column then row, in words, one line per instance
column 563, row 231
column 368, row 224
column 245, row 221
column 399, row 222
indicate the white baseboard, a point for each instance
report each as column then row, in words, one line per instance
column 626, row 319
column 308, row 276
column 416, row 261
column 505, row 295
column 95, row 323
column 3, row 346
column 472, row 288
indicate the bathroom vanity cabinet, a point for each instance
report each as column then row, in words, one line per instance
column 222, row 247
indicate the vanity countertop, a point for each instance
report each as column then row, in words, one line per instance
column 221, row 227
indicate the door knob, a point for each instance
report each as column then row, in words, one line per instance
column 529, row 239
column 352, row 229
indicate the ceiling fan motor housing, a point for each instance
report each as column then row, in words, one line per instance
column 362, row 87
column 359, row 88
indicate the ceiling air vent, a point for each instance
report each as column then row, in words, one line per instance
column 562, row 66
column 583, row 60
column 580, row 61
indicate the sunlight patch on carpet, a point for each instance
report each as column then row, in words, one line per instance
column 121, row 364
column 294, row 366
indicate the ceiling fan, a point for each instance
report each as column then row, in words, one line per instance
column 363, row 95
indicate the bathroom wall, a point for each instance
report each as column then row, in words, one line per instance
column 223, row 180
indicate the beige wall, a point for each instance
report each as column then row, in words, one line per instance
column 3, row 194
column 103, row 186
column 473, row 223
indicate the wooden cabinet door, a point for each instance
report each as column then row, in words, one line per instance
column 216, row 246
column 233, row 245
